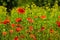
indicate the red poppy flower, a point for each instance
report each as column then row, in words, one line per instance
column 4, row 33
column 31, row 28
column 58, row 23
column 18, row 29
column 43, row 17
column 21, row 10
column 51, row 30
column 10, row 31
column 6, row 21
column 16, row 38
column 12, row 25
column 30, row 20
column 18, row 19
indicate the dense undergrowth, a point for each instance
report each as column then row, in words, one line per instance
column 30, row 23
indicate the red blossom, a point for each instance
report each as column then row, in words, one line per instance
column 10, row 31
column 42, row 28
column 51, row 30
column 16, row 38
column 18, row 29
column 4, row 33
column 43, row 17
column 30, row 28
column 30, row 20
column 6, row 21
column 18, row 19
column 12, row 25
column 58, row 23
column 21, row 10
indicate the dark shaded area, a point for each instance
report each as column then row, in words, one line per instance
column 43, row 3
column 9, row 4
column 59, row 2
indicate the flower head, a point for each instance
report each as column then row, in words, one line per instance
column 42, row 28
column 30, row 20
column 10, row 31
column 6, row 21
column 21, row 10
column 30, row 28
column 18, row 29
column 18, row 19
column 43, row 17
column 16, row 38
column 58, row 23
column 4, row 33
column 12, row 25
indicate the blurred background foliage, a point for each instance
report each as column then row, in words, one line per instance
column 10, row 4
column 25, row 2
column 38, row 2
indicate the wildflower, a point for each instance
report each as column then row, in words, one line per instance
column 18, row 29
column 10, row 31
column 6, row 21
column 58, row 23
column 42, row 28
column 16, row 38
column 30, row 28
column 51, row 30
column 43, row 17
column 4, row 33
column 18, row 19
column 12, row 25
column 21, row 10
column 30, row 20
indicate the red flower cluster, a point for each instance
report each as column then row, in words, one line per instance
column 51, row 30
column 18, row 19
column 10, row 31
column 21, row 10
